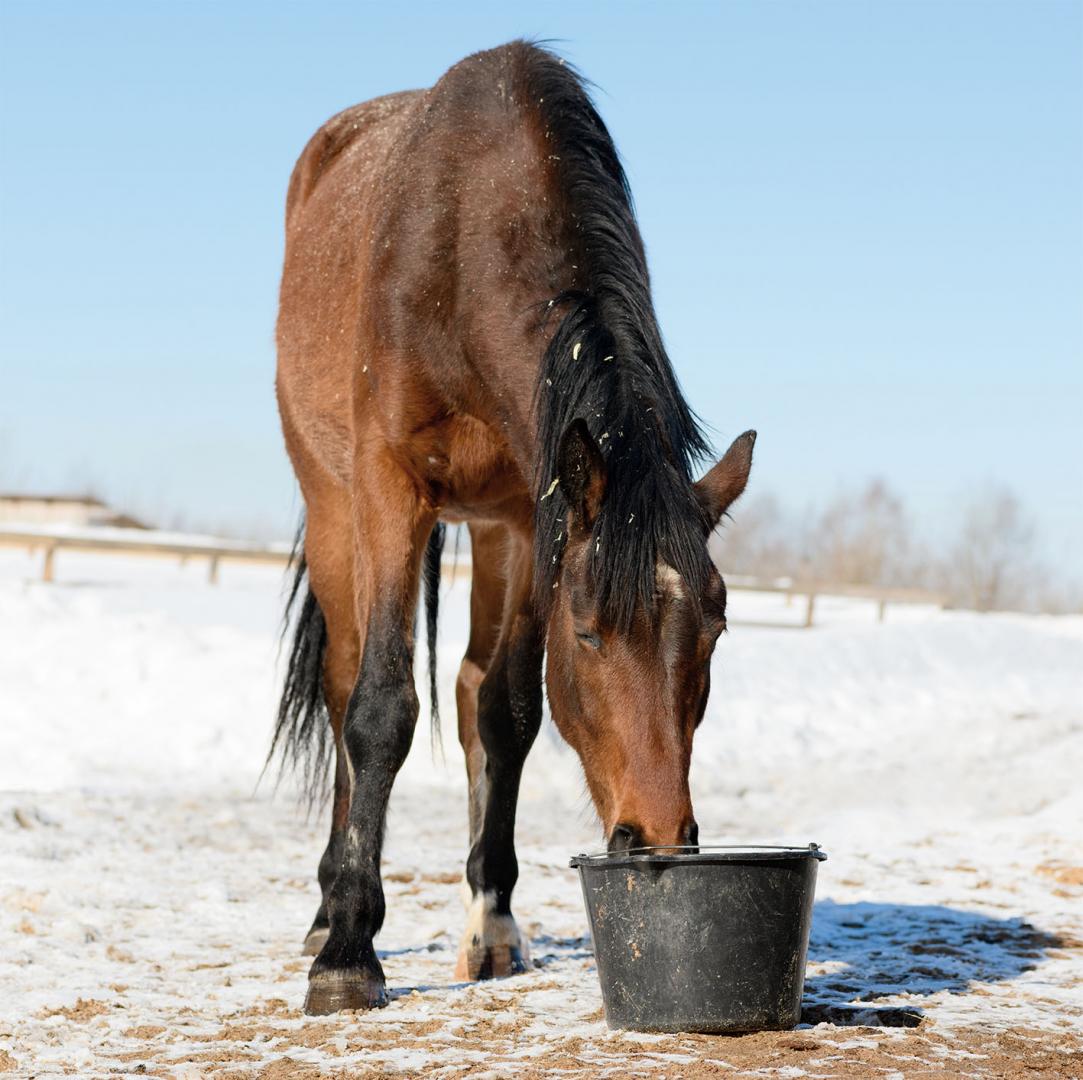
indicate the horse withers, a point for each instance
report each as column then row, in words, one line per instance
column 466, row 334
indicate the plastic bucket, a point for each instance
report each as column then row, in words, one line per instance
column 712, row 939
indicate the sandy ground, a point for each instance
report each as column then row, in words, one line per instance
column 152, row 899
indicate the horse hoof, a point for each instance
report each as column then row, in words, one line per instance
column 332, row 991
column 489, row 962
column 315, row 941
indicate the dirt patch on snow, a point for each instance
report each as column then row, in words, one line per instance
column 495, row 1049
column 80, row 1012
column 1062, row 873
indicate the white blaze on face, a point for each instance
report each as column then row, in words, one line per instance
column 671, row 588
column 669, row 582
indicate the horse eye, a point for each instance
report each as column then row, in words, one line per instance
column 587, row 638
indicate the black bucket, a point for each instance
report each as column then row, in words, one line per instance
column 710, row 940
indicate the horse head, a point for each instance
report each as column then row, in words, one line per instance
column 628, row 695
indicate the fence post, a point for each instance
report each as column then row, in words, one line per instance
column 49, row 567
column 212, row 573
column 810, row 609
column 881, row 609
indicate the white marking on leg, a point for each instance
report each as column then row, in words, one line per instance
column 485, row 927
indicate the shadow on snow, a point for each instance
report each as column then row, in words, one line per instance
column 872, row 952
column 877, row 951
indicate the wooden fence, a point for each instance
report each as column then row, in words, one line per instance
column 810, row 591
column 217, row 551
column 134, row 542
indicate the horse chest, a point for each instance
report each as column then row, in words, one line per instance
column 470, row 472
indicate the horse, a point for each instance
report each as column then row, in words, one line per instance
column 466, row 335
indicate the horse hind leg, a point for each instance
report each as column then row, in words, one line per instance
column 507, row 712
column 487, row 588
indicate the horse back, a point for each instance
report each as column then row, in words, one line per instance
column 424, row 241
column 331, row 196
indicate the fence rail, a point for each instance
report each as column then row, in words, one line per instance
column 882, row 595
column 136, row 542
column 216, row 551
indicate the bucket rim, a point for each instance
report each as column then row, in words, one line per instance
column 682, row 854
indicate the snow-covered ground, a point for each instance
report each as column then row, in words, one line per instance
column 153, row 894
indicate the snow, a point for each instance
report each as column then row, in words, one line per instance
column 153, row 893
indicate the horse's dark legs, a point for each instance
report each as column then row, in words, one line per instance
column 488, row 545
column 330, row 568
column 509, row 709
column 376, row 735
column 379, row 727
column 332, row 854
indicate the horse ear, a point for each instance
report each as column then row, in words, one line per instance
column 718, row 490
column 582, row 474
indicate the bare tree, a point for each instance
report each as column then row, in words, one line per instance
column 758, row 539
column 862, row 539
column 866, row 537
column 992, row 565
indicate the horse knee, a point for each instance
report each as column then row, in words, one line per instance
column 509, row 710
column 380, row 724
column 492, row 710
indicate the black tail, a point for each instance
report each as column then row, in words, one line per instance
column 434, row 553
column 302, row 735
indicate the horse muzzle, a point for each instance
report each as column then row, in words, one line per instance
column 628, row 837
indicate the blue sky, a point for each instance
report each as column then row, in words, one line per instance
column 864, row 222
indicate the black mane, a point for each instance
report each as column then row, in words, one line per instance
column 607, row 365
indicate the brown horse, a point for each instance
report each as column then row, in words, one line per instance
column 466, row 334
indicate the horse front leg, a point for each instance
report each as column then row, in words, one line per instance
column 376, row 735
column 509, row 710
column 332, row 855
column 330, row 557
column 379, row 728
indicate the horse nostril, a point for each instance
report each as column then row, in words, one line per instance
column 624, row 838
column 691, row 835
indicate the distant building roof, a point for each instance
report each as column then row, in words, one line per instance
column 30, row 496
column 47, row 508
